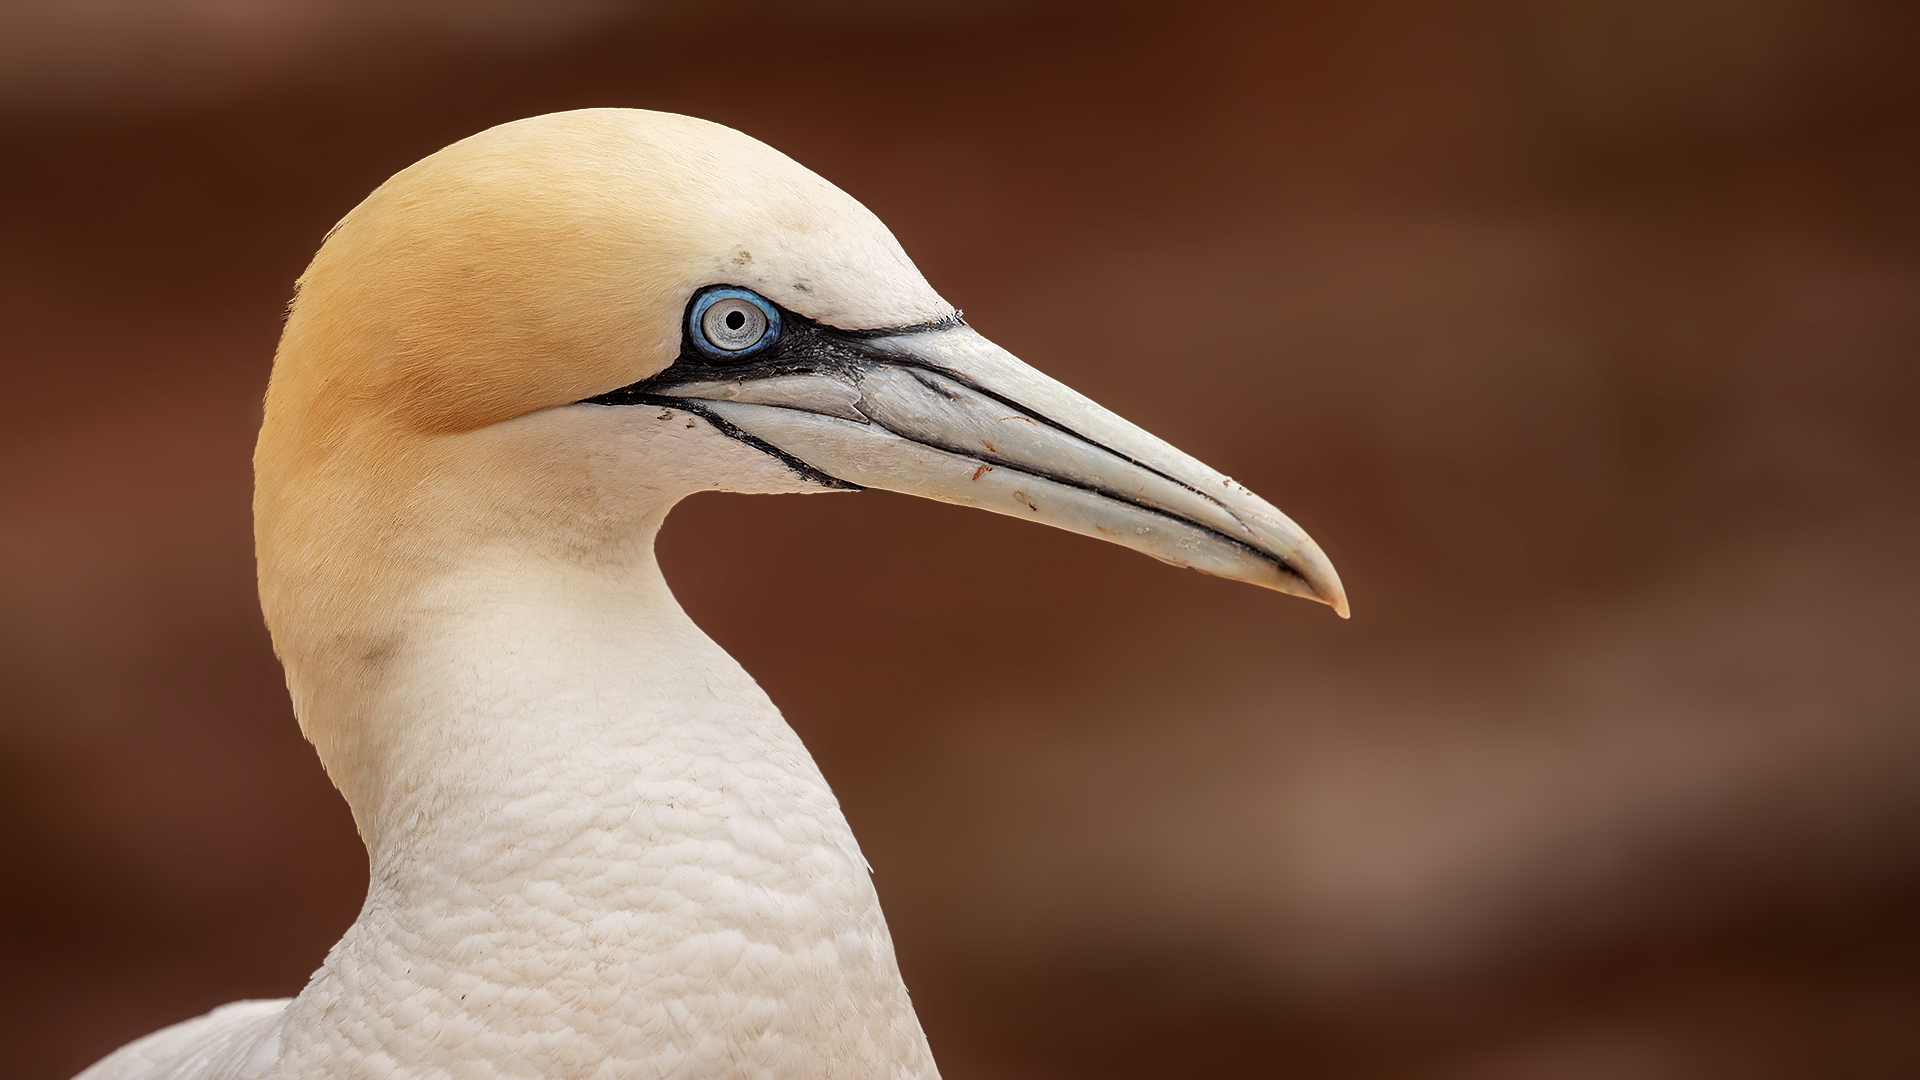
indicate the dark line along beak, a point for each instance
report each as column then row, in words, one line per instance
column 943, row 413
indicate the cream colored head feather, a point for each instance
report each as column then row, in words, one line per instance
column 530, row 266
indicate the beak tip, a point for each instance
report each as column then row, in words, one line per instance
column 1320, row 585
column 1325, row 583
column 1331, row 594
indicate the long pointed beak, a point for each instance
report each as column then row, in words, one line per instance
column 946, row 414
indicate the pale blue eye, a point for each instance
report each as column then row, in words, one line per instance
column 730, row 324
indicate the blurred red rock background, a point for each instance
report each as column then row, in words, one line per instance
column 1582, row 333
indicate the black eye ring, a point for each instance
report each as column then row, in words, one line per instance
column 729, row 324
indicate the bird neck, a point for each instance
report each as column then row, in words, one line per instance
column 525, row 683
column 592, row 839
column 586, row 816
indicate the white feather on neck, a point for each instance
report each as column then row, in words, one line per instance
column 593, row 839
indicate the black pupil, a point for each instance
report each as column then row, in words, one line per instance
column 735, row 320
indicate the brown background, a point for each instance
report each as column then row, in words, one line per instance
column 1581, row 333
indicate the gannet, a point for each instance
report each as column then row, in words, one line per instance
column 596, row 848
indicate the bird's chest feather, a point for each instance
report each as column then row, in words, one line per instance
column 675, row 900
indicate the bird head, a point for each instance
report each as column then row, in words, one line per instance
column 542, row 336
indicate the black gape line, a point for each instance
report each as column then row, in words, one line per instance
column 807, row 347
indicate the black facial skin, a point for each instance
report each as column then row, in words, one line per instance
column 805, row 347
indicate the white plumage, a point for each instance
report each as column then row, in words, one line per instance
column 597, row 850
